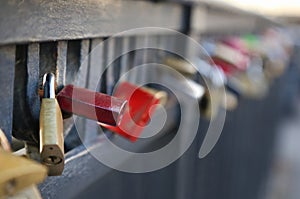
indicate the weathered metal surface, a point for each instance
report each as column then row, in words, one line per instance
column 29, row 21
column 7, row 74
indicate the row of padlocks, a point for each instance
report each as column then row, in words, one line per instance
column 233, row 67
column 73, row 98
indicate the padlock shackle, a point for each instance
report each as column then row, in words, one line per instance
column 49, row 85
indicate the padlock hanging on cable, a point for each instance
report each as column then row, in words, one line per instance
column 113, row 112
column 92, row 105
column 17, row 173
column 51, row 129
column 142, row 102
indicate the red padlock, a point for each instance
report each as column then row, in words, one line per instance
column 231, row 55
column 93, row 105
column 141, row 106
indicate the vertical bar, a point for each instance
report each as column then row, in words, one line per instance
column 26, row 130
column 82, row 77
column 61, row 63
column 109, row 63
column 33, row 62
column 7, row 73
column 96, row 66
column 73, row 61
column 61, row 68
column 48, row 59
column 125, row 58
column 118, row 47
column 136, row 76
column 131, row 57
column 95, row 70
column 78, row 63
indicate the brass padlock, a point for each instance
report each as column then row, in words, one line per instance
column 17, row 173
column 31, row 192
column 212, row 98
column 4, row 144
column 180, row 65
column 51, row 129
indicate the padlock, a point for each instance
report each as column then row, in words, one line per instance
column 92, row 105
column 252, row 83
column 275, row 55
column 51, row 129
column 248, row 81
column 142, row 103
column 231, row 55
column 231, row 101
column 17, row 173
column 30, row 192
column 4, row 144
column 180, row 65
column 211, row 100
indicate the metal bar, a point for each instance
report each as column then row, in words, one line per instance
column 61, row 63
column 7, row 72
column 77, row 132
column 95, row 70
column 33, row 99
column 125, row 58
column 80, row 19
column 109, row 60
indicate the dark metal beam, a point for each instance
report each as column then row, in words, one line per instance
column 29, row 21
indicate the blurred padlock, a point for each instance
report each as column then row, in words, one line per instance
column 142, row 103
column 231, row 55
column 213, row 80
column 275, row 55
column 17, row 173
column 244, row 70
column 4, row 144
column 30, row 192
column 252, row 83
column 180, row 65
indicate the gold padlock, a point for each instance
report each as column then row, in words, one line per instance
column 180, row 65
column 51, row 129
column 31, row 192
column 4, row 144
column 17, row 173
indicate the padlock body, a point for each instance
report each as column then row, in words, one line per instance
column 141, row 106
column 51, row 136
